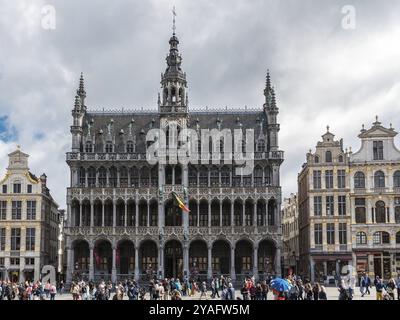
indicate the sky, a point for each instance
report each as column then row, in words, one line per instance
column 330, row 65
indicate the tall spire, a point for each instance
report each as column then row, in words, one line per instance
column 269, row 92
column 173, row 80
column 81, row 93
column 173, row 20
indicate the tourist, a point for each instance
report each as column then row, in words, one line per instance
column 365, row 283
column 390, row 287
column 231, row 291
column 245, row 292
column 315, row 290
column 322, row 294
column 398, row 286
column 203, row 290
column 308, row 291
column 265, row 289
column 53, row 291
column 379, row 288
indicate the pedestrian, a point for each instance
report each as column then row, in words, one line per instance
column 398, row 286
column 308, row 291
column 379, row 288
column 322, row 294
column 316, row 289
column 53, row 291
column 265, row 289
column 390, row 287
column 203, row 290
column 245, row 292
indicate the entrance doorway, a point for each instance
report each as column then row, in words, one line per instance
column 173, row 259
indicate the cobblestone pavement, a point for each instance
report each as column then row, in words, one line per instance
column 332, row 294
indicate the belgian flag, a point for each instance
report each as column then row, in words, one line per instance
column 180, row 202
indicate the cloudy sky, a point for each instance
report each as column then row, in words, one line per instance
column 324, row 73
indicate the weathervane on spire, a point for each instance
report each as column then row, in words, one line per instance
column 173, row 20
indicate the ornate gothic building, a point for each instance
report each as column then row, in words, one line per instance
column 123, row 220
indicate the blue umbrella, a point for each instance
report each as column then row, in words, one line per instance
column 280, row 285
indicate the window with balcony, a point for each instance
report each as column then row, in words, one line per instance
column 203, row 176
column 92, row 177
column 3, row 210
column 361, row 238
column 380, row 212
column 341, row 178
column 329, row 179
column 396, row 179
column 317, row 206
column 379, row 179
column 397, row 209
column 192, row 176
column 318, row 233
column 109, row 147
column 342, row 205
column 15, row 239
column 378, row 150
column 31, row 210
column 359, row 180
column 16, row 208
column 330, row 233
column 130, row 147
column 214, row 176
column 317, row 179
column 329, row 205
column 342, row 233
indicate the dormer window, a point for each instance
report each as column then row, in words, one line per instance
column 340, row 158
column 316, row 159
column 328, row 156
column 378, row 150
column 88, row 147
column 4, row 188
column 130, row 147
column 109, row 147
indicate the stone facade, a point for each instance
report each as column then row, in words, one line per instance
column 122, row 219
column 28, row 222
column 290, row 234
column 324, row 211
column 375, row 202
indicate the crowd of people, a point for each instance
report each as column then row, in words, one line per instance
column 217, row 288
column 27, row 291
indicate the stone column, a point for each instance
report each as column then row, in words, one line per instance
column 161, row 261
column 126, row 214
column 266, row 214
column 209, row 269
column 243, row 212
column 255, row 262
column 91, row 263
column 137, row 212
column 255, row 213
column 70, row 265
column 91, row 214
column 209, row 214
column 220, row 213
column 186, row 259
column 114, row 213
column 232, row 214
column 312, row 265
column 80, row 214
column 148, row 213
column 136, row 262
column 102, row 213
column 198, row 213
column 114, row 265
column 233, row 272
column 278, row 269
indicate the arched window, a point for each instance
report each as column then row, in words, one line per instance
column 340, row 158
column 173, row 94
column 258, row 176
column 134, row 173
column 267, row 176
column 88, row 147
column 192, row 176
column 396, row 179
column 113, row 177
column 261, row 145
column 380, row 212
column 316, row 159
column 361, row 238
column 154, row 176
column 178, row 174
column 144, row 176
column 123, row 177
column 328, row 156
column 359, row 180
column 91, row 177
column 381, row 237
column 102, row 177
column 82, row 177
column 379, row 179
